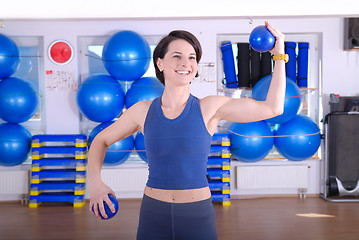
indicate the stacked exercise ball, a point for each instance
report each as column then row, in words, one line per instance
column 296, row 136
column 297, row 139
column 100, row 98
column 126, row 56
column 18, row 103
column 291, row 103
column 118, row 152
column 250, row 142
column 9, row 56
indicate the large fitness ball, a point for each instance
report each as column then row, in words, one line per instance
column 100, row 98
column 261, row 39
column 9, row 56
column 18, row 100
column 143, row 89
column 291, row 103
column 15, row 144
column 250, row 142
column 126, row 55
column 297, row 139
column 140, row 146
column 118, row 152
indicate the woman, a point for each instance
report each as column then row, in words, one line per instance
column 178, row 128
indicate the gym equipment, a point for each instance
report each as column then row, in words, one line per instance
column 261, row 39
column 107, row 208
column 18, row 100
column 297, row 139
column 228, row 65
column 250, row 142
column 218, row 168
column 118, row 152
column 9, row 56
column 341, row 166
column 243, row 65
column 292, row 98
column 140, row 146
column 100, row 98
column 302, row 79
column 15, row 144
column 143, row 89
column 126, row 55
column 291, row 65
column 58, row 170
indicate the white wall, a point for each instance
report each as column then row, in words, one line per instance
column 340, row 72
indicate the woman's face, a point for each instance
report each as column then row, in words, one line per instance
column 179, row 65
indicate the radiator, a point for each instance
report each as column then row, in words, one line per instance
column 14, row 182
column 272, row 177
column 125, row 179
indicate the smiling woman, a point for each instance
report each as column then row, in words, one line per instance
column 178, row 129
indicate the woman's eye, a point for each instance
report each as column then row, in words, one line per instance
column 176, row 56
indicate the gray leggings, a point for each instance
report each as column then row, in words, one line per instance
column 175, row 221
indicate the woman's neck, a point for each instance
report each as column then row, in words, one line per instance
column 175, row 97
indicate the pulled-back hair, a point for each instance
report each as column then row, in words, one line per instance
column 162, row 48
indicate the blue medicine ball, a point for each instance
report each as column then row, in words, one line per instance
column 261, row 39
column 140, row 146
column 291, row 103
column 143, row 89
column 119, row 151
column 126, row 55
column 15, row 144
column 297, row 139
column 107, row 208
column 9, row 56
column 18, row 100
column 100, row 98
column 250, row 142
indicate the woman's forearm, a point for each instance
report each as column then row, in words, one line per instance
column 276, row 92
column 96, row 156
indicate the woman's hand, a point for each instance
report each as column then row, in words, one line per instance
column 279, row 43
column 98, row 194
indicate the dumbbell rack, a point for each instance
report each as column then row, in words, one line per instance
column 218, row 168
column 58, row 170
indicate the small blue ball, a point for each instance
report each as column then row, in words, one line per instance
column 261, row 39
column 107, row 208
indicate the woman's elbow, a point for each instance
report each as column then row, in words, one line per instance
column 278, row 111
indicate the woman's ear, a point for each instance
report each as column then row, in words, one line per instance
column 159, row 64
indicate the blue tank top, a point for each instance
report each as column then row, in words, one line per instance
column 177, row 149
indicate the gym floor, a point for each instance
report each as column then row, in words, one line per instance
column 257, row 218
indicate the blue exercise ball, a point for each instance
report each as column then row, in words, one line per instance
column 261, row 39
column 126, row 55
column 143, row 89
column 15, row 144
column 250, row 142
column 9, row 56
column 100, row 98
column 119, row 151
column 18, row 100
column 297, row 139
column 108, row 211
column 140, row 146
column 291, row 103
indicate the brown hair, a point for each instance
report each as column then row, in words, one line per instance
column 162, row 48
